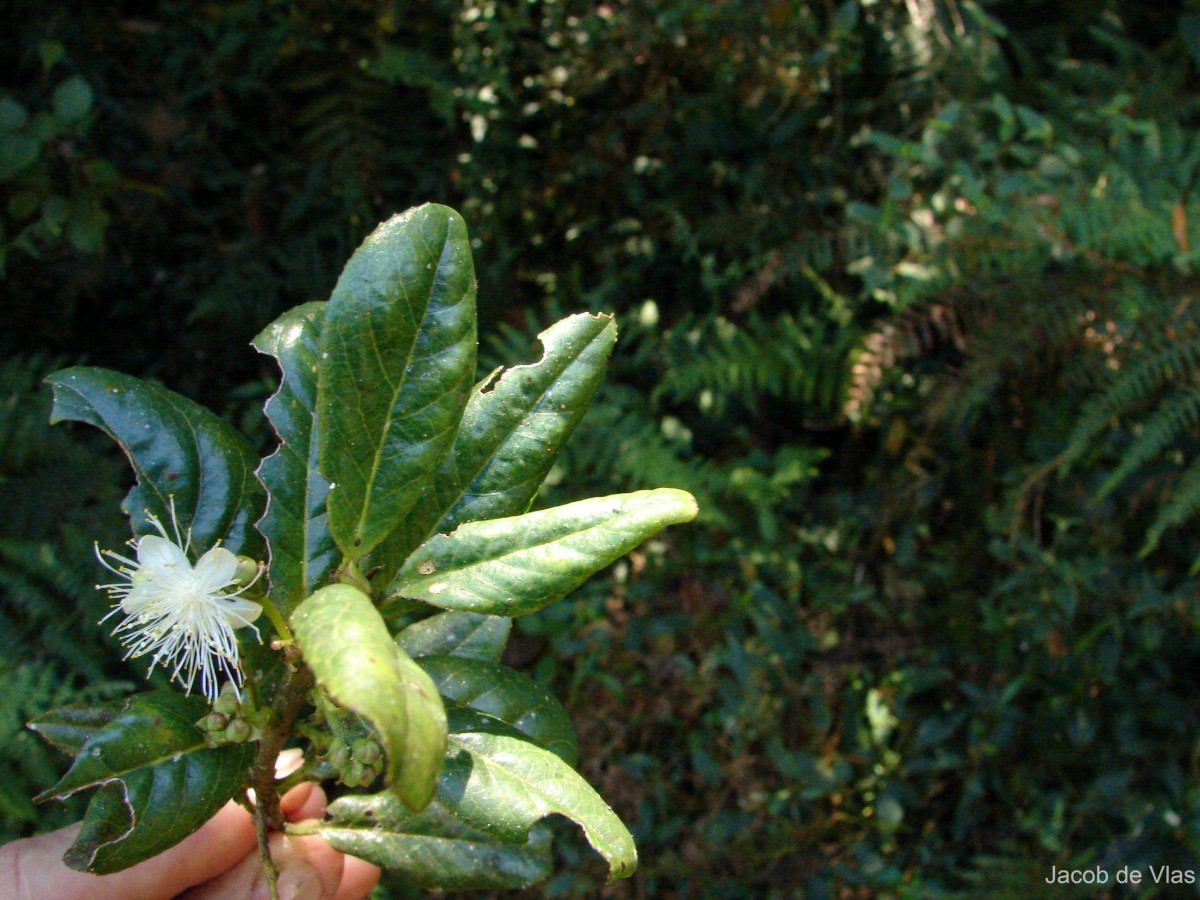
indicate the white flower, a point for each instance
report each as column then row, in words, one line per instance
column 180, row 612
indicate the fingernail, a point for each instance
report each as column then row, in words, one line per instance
column 288, row 762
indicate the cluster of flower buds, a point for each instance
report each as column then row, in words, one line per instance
column 229, row 721
column 358, row 763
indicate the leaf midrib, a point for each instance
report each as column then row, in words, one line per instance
column 526, row 548
column 403, row 380
column 464, row 483
column 150, row 763
column 602, row 836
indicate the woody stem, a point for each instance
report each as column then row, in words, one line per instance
column 267, row 815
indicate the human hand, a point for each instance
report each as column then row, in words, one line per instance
column 217, row 862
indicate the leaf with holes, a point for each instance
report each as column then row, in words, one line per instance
column 513, row 427
column 519, row 565
column 432, row 849
column 495, row 780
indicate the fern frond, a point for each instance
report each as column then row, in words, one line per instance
column 1177, row 415
column 1183, row 505
column 59, row 494
column 26, row 691
column 800, row 359
column 995, row 329
column 907, row 336
column 51, row 605
column 1131, row 389
column 1118, row 222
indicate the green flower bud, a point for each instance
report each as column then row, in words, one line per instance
column 367, row 751
column 368, row 775
column 353, row 776
column 246, row 572
column 214, row 722
column 226, row 703
column 238, row 731
column 339, row 754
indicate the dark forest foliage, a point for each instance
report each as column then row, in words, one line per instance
column 908, row 300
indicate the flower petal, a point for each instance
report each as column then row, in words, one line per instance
column 215, row 570
column 157, row 552
column 239, row 611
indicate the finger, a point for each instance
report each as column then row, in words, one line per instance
column 309, row 869
column 358, row 879
column 296, row 799
column 35, row 865
column 308, row 803
column 288, row 761
column 236, row 881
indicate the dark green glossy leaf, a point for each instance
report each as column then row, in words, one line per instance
column 432, row 849
column 295, row 524
column 266, row 672
column 69, row 727
column 510, row 435
column 455, row 633
column 346, row 644
column 178, row 449
column 158, row 781
column 108, row 819
column 397, row 360
column 497, row 781
column 511, row 696
column 519, row 565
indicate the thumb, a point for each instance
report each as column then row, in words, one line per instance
column 309, row 869
column 33, row 867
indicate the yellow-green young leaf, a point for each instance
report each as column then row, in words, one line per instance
column 455, row 633
column 346, row 644
column 396, row 364
column 158, row 781
column 432, row 849
column 295, row 524
column 514, row 566
column 513, row 427
column 495, row 780
column 178, row 449
column 508, row 695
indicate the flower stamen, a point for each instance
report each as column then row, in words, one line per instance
column 183, row 615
